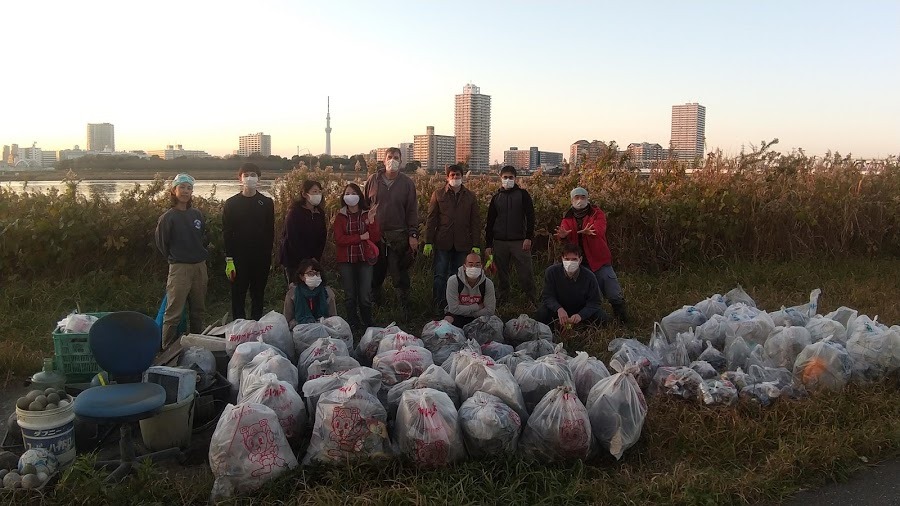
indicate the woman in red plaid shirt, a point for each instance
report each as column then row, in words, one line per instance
column 356, row 233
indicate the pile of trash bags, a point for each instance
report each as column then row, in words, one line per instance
column 449, row 393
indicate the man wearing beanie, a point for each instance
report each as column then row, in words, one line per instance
column 181, row 237
column 584, row 224
column 248, row 228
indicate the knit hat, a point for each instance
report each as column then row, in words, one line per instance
column 578, row 191
column 182, row 178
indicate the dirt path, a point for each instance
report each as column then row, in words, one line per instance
column 876, row 486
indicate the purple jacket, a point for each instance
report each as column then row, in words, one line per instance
column 303, row 236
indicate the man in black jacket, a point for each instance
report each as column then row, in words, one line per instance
column 248, row 227
column 509, row 232
column 571, row 293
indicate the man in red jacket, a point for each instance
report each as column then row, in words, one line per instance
column 584, row 224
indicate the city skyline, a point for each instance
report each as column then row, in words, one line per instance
column 818, row 79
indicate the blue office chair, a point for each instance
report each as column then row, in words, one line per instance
column 124, row 345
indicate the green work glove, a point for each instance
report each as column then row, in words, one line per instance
column 230, row 273
column 427, row 250
column 476, row 251
column 489, row 265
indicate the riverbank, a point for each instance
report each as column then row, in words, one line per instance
column 110, row 175
column 688, row 454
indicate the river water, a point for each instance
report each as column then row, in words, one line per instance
column 222, row 189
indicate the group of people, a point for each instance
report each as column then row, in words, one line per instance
column 376, row 234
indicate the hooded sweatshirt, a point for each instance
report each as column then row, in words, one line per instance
column 463, row 299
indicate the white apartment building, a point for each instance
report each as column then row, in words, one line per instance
column 473, row 128
column 101, row 137
column 688, row 131
column 177, row 151
column 255, row 143
column 434, row 152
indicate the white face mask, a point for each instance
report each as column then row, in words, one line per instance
column 250, row 182
column 508, row 183
column 351, row 200
column 579, row 204
column 473, row 272
column 571, row 266
column 392, row 165
column 313, row 281
column 456, row 183
column 315, row 199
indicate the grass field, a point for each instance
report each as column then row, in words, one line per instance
column 688, row 454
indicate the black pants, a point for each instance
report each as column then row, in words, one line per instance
column 460, row 321
column 394, row 252
column 251, row 274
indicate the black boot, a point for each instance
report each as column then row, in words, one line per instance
column 366, row 314
column 620, row 312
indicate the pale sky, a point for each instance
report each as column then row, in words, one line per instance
column 817, row 75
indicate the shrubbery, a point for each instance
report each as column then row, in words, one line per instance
column 756, row 207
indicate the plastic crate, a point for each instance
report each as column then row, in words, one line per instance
column 73, row 354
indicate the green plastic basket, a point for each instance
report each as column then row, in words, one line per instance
column 73, row 354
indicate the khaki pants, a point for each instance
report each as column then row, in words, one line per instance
column 186, row 283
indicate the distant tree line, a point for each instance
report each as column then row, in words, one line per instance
column 273, row 163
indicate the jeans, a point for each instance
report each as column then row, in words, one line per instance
column 446, row 264
column 356, row 278
column 609, row 285
column 250, row 275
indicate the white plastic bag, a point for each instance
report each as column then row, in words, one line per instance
column 332, row 364
column 824, row 365
column 738, row 296
column 524, row 328
column 305, row 334
column 785, row 343
column 442, row 339
column 281, row 397
column 536, row 348
column 874, row 349
column 821, row 328
column 203, row 362
column 714, row 305
column 366, row 377
column 428, row 429
column 434, row 377
column 399, row 341
column 269, row 361
column 718, row 392
column 495, row 379
column 586, row 372
column 713, row 331
column 736, row 354
column 320, row 349
column 633, row 352
column 496, row 350
column 371, row 339
column 274, row 330
column 681, row 320
column 490, row 428
column 247, row 449
column 77, row 323
column 558, row 429
column 753, row 324
column 513, row 360
column 398, row 365
column 714, row 357
column 617, row 409
column 242, row 356
column 485, row 329
column 541, row 376
column 338, row 328
column 350, row 424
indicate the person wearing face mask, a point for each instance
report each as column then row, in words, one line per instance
column 584, row 224
column 356, row 234
column 453, row 229
column 248, row 229
column 308, row 298
column 571, row 294
column 508, row 233
column 398, row 218
column 470, row 293
column 305, row 231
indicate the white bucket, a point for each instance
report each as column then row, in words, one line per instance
column 53, row 430
column 171, row 427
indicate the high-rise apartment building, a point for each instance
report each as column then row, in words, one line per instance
column 406, row 152
column 688, row 131
column 258, row 143
column 582, row 152
column 101, row 137
column 531, row 159
column 434, row 152
column 6, row 151
column 473, row 128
